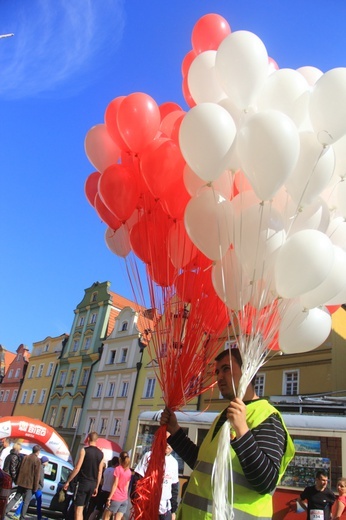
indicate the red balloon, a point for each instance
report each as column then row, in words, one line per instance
column 161, row 165
column 189, row 57
column 333, row 308
column 168, row 122
column 139, row 236
column 186, row 93
column 208, row 32
column 161, row 270
column 111, row 122
column 174, row 200
column 105, row 215
column 167, row 108
column 91, row 187
column 138, row 120
column 119, row 191
column 185, row 285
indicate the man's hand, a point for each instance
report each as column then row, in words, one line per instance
column 173, row 516
column 236, row 414
column 169, row 420
column 95, row 492
column 66, row 485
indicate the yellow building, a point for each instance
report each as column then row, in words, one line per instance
column 34, row 392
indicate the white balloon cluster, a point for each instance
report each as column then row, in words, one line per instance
column 279, row 137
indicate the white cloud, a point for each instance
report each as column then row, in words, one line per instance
column 56, row 43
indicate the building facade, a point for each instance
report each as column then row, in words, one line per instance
column 13, row 380
column 35, row 390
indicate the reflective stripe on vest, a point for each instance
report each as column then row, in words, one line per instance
column 207, row 505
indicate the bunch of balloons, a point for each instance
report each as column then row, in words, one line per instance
column 236, row 206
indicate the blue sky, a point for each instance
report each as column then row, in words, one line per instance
column 66, row 61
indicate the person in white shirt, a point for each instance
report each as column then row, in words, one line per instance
column 5, row 450
column 170, row 484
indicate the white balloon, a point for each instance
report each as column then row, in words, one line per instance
column 230, row 282
column 206, row 135
column 341, row 197
column 327, row 106
column 331, row 286
column 193, row 183
column 303, row 263
column 283, row 91
column 259, row 233
column 242, row 66
column 100, row 148
column 118, row 242
column 337, row 232
column 268, row 149
column 202, row 79
column 340, row 157
column 313, row 170
column 311, row 74
column 303, row 330
column 313, row 216
column 207, row 221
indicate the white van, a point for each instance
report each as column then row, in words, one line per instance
column 55, row 472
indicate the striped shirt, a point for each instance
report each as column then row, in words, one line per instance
column 259, row 451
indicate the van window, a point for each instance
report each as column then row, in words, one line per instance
column 50, row 471
column 65, row 473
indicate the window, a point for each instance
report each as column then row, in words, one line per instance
column 81, row 321
column 52, row 416
column 103, row 427
column 62, row 416
column 123, row 355
column 163, row 350
column 40, row 371
column 1, row 395
column 50, row 369
column 10, row 374
column 87, row 343
column 31, row 373
column 91, row 424
column 46, row 348
column 291, row 383
column 14, row 395
column 94, row 297
column 32, row 397
column 98, row 391
column 111, row 388
column 124, row 389
column 75, row 345
column 85, row 376
column 116, row 427
column 17, row 374
column 259, row 384
column 6, row 395
column 72, row 377
column 93, row 318
column 111, row 358
column 150, row 387
column 76, row 416
column 24, row 396
column 19, row 357
column 62, row 378
column 42, row 396
column 124, row 326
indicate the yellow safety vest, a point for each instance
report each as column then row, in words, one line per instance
column 197, row 503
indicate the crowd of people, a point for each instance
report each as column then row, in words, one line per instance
column 260, row 449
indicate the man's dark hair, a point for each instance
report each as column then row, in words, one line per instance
column 234, row 353
column 36, row 448
column 93, row 436
column 321, row 473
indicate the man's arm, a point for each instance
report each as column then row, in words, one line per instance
column 260, row 451
column 182, row 445
column 76, row 469
column 99, row 477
